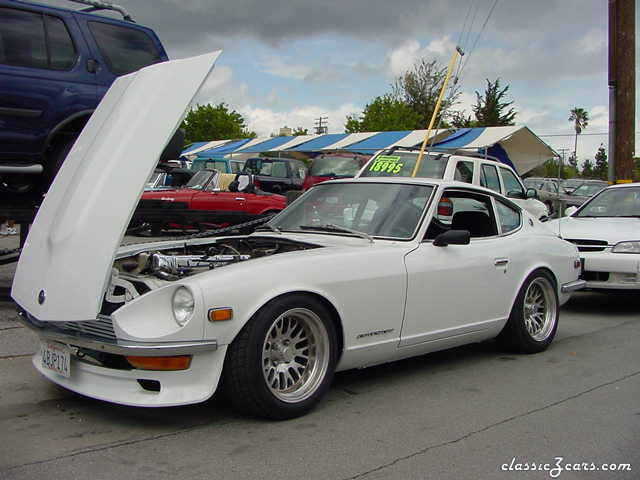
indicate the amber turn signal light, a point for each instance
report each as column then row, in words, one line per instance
column 220, row 314
column 181, row 362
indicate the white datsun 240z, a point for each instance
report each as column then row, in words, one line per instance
column 354, row 273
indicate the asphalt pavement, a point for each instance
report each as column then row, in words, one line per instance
column 468, row 413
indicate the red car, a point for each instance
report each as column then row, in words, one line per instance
column 335, row 165
column 210, row 198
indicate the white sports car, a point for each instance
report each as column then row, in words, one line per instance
column 606, row 230
column 354, row 273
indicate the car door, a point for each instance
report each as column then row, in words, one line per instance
column 459, row 289
column 227, row 206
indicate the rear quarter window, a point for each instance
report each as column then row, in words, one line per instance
column 124, row 49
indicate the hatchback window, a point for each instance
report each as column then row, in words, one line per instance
column 124, row 49
column 512, row 186
column 489, row 178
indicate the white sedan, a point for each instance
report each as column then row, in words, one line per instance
column 354, row 273
column 606, row 230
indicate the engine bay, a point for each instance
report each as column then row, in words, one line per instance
column 152, row 268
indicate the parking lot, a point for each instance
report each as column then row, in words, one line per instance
column 470, row 412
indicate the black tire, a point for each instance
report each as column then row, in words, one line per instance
column 263, row 376
column 532, row 326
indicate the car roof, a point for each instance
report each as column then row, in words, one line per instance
column 624, row 185
column 435, row 182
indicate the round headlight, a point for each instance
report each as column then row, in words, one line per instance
column 626, row 247
column 183, row 305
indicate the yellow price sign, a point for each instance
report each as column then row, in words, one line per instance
column 386, row 164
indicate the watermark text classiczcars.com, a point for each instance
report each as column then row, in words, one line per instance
column 560, row 464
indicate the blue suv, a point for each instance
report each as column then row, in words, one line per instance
column 55, row 66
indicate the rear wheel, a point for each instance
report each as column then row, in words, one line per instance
column 533, row 320
column 282, row 362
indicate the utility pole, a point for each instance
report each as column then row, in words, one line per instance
column 322, row 125
column 562, row 152
column 622, row 96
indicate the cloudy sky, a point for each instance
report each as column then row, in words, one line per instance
column 287, row 62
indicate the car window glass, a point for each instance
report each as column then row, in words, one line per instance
column 124, row 49
column 236, row 167
column 489, row 177
column 508, row 217
column 512, row 186
column 265, row 169
column 279, row 169
column 401, row 164
column 219, row 165
column 395, row 210
column 464, row 171
column 63, row 53
column 252, row 166
column 463, row 211
column 22, row 39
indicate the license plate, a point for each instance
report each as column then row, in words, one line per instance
column 56, row 357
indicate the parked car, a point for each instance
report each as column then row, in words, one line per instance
column 335, row 165
column 583, row 193
column 168, row 177
column 277, row 175
column 209, row 198
column 469, row 169
column 221, row 164
column 356, row 273
column 606, row 230
column 571, row 184
column 533, row 182
column 549, row 192
column 55, row 66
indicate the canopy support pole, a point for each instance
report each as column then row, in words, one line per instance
column 454, row 57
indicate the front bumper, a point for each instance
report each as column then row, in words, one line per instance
column 126, row 386
column 117, row 346
column 606, row 270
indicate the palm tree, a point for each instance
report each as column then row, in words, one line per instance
column 580, row 118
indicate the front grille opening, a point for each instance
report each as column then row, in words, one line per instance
column 103, row 359
column 149, row 385
column 590, row 276
column 585, row 245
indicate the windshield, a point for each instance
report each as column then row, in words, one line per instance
column 377, row 209
column 335, row 167
column 588, row 189
column 401, row 164
column 614, row 202
column 200, row 179
column 153, row 179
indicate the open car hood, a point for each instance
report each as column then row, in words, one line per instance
column 66, row 262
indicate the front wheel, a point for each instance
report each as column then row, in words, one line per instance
column 534, row 317
column 282, row 361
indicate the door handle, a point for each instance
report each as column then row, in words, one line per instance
column 240, row 198
column 501, row 262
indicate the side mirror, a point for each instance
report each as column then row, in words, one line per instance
column 515, row 194
column 531, row 193
column 570, row 211
column 452, row 237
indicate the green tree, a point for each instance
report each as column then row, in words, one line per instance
column 587, row 169
column 208, row 122
column 491, row 108
column 382, row 114
column 459, row 119
column 580, row 118
column 300, row 131
column 601, row 169
column 419, row 88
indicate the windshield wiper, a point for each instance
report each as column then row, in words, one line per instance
column 266, row 226
column 337, row 228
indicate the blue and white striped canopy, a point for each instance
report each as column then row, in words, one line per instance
column 515, row 146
